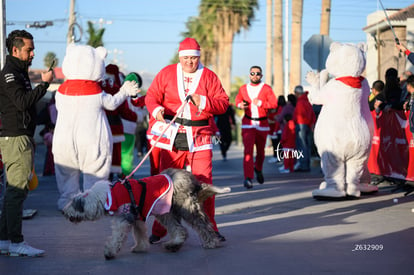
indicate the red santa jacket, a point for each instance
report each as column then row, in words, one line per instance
column 256, row 116
column 303, row 113
column 167, row 91
column 158, row 195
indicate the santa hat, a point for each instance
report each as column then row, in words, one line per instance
column 113, row 70
column 189, row 47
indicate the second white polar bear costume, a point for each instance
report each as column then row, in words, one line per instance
column 343, row 131
column 82, row 142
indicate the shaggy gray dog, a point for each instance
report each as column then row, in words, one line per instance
column 187, row 198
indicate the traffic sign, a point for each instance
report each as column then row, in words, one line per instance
column 316, row 50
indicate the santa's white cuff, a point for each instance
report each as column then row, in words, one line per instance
column 156, row 110
column 203, row 102
column 259, row 103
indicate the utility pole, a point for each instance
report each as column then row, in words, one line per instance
column 72, row 20
column 269, row 59
column 325, row 17
column 286, row 51
column 3, row 33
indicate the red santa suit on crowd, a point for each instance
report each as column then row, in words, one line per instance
column 288, row 142
column 192, row 143
column 111, row 85
column 256, row 99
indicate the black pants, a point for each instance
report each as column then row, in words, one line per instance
column 12, row 214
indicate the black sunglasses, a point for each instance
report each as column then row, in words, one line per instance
column 257, row 73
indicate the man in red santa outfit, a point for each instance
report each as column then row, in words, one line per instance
column 192, row 143
column 111, row 85
column 255, row 98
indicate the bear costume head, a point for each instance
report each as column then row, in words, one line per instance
column 83, row 62
column 346, row 59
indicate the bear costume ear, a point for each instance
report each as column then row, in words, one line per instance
column 334, row 45
column 362, row 46
column 101, row 52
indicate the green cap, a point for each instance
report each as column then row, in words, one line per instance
column 134, row 77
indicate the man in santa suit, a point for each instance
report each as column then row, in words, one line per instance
column 111, row 85
column 192, row 143
column 255, row 98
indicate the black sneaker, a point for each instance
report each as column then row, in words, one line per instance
column 154, row 239
column 248, row 183
column 259, row 176
column 220, row 237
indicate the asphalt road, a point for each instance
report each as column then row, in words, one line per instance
column 274, row 228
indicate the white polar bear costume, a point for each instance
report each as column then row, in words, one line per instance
column 82, row 141
column 343, row 131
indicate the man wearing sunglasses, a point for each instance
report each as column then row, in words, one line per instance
column 255, row 98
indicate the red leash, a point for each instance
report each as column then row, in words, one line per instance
column 179, row 112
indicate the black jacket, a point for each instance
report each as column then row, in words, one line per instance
column 18, row 99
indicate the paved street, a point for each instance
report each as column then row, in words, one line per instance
column 274, row 228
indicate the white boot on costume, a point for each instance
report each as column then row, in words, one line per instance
column 328, row 192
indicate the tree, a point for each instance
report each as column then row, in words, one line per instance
column 269, row 43
column 49, row 57
column 278, row 72
column 296, row 44
column 201, row 30
column 223, row 19
column 95, row 36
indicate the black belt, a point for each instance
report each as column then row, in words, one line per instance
column 256, row 118
column 187, row 122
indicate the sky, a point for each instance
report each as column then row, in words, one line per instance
column 143, row 36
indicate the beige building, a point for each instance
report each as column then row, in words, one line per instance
column 382, row 53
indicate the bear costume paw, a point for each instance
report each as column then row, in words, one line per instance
column 326, row 192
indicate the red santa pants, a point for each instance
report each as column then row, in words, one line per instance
column 154, row 159
column 116, row 158
column 289, row 160
column 252, row 137
column 201, row 167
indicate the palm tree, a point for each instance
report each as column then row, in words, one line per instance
column 95, row 36
column 199, row 29
column 296, row 44
column 226, row 18
column 278, row 49
column 269, row 43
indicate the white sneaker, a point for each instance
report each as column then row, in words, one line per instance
column 297, row 165
column 281, row 168
column 284, row 171
column 4, row 247
column 23, row 249
column 272, row 160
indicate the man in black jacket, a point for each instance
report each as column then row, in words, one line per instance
column 18, row 114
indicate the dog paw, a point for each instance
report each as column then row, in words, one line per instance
column 210, row 245
column 141, row 248
column 172, row 247
column 109, row 256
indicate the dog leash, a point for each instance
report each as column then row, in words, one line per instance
column 179, row 112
